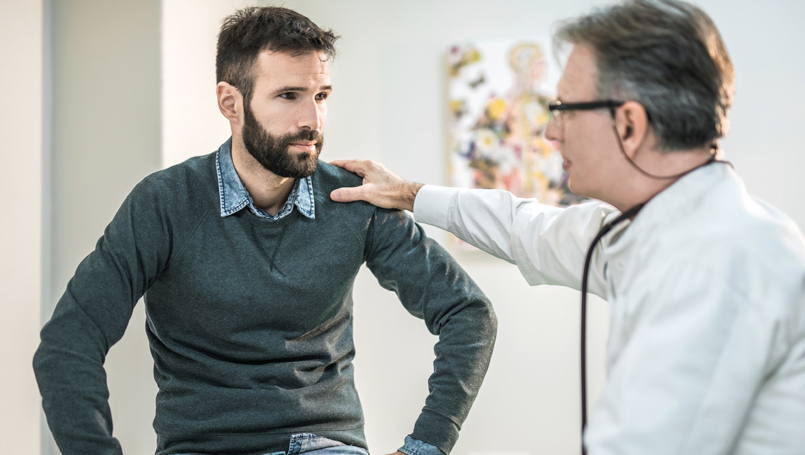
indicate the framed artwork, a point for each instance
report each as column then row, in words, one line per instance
column 498, row 94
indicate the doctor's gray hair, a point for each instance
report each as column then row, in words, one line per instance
column 668, row 56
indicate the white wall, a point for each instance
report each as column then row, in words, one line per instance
column 105, row 138
column 388, row 104
column 20, row 231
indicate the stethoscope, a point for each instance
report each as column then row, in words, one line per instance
column 604, row 231
column 628, row 214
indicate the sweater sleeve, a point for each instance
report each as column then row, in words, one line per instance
column 91, row 316
column 433, row 287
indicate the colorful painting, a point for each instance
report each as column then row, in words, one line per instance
column 498, row 110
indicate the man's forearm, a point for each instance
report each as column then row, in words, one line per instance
column 463, row 353
column 69, row 370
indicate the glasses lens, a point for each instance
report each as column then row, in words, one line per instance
column 555, row 117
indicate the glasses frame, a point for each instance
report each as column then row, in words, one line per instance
column 557, row 107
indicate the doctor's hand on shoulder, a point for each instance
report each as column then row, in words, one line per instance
column 380, row 187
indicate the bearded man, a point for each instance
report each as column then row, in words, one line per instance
column 247, row 268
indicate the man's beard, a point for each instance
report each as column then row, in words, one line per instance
column 272, row 151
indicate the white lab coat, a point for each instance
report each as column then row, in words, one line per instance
column 706, row 288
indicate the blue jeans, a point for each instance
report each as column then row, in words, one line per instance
column 316, row 445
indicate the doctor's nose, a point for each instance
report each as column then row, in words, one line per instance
column 553, row 131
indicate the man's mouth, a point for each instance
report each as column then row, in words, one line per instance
column 304, row 146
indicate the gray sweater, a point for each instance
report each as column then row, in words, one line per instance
column 249, row 320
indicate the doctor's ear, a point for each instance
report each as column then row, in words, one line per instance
column 632, row 125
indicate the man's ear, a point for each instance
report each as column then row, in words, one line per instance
column 632, row 125
column 230, row 102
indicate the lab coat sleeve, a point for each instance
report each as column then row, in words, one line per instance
column 701, row 345
column 548, row 244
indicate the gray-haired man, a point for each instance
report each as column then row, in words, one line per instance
column 705, row 283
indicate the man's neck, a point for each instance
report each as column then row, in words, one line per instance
column 641, row 188
column 269, row 191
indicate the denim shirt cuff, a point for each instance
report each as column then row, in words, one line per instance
column 416, row 447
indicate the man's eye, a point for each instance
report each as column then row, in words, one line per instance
column 288, row 96
column 322, row 96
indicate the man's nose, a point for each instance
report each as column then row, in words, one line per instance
column 311, row 116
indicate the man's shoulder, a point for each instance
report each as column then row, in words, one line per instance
column 329, row 177
column 738, row 238
column 181, row 177
column 195, row 170
column 180, row 185
column 765, row 235
column 742, row 222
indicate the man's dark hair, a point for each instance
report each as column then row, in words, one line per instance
column 252, row 30
column 668, row 56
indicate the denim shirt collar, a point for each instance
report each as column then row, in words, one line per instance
column 234, row 196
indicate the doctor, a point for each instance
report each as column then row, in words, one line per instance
column 705, row 283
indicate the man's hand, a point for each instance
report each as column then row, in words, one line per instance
column 381, row 187
column 395, row 453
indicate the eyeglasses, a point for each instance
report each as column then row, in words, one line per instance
column 557, row 107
